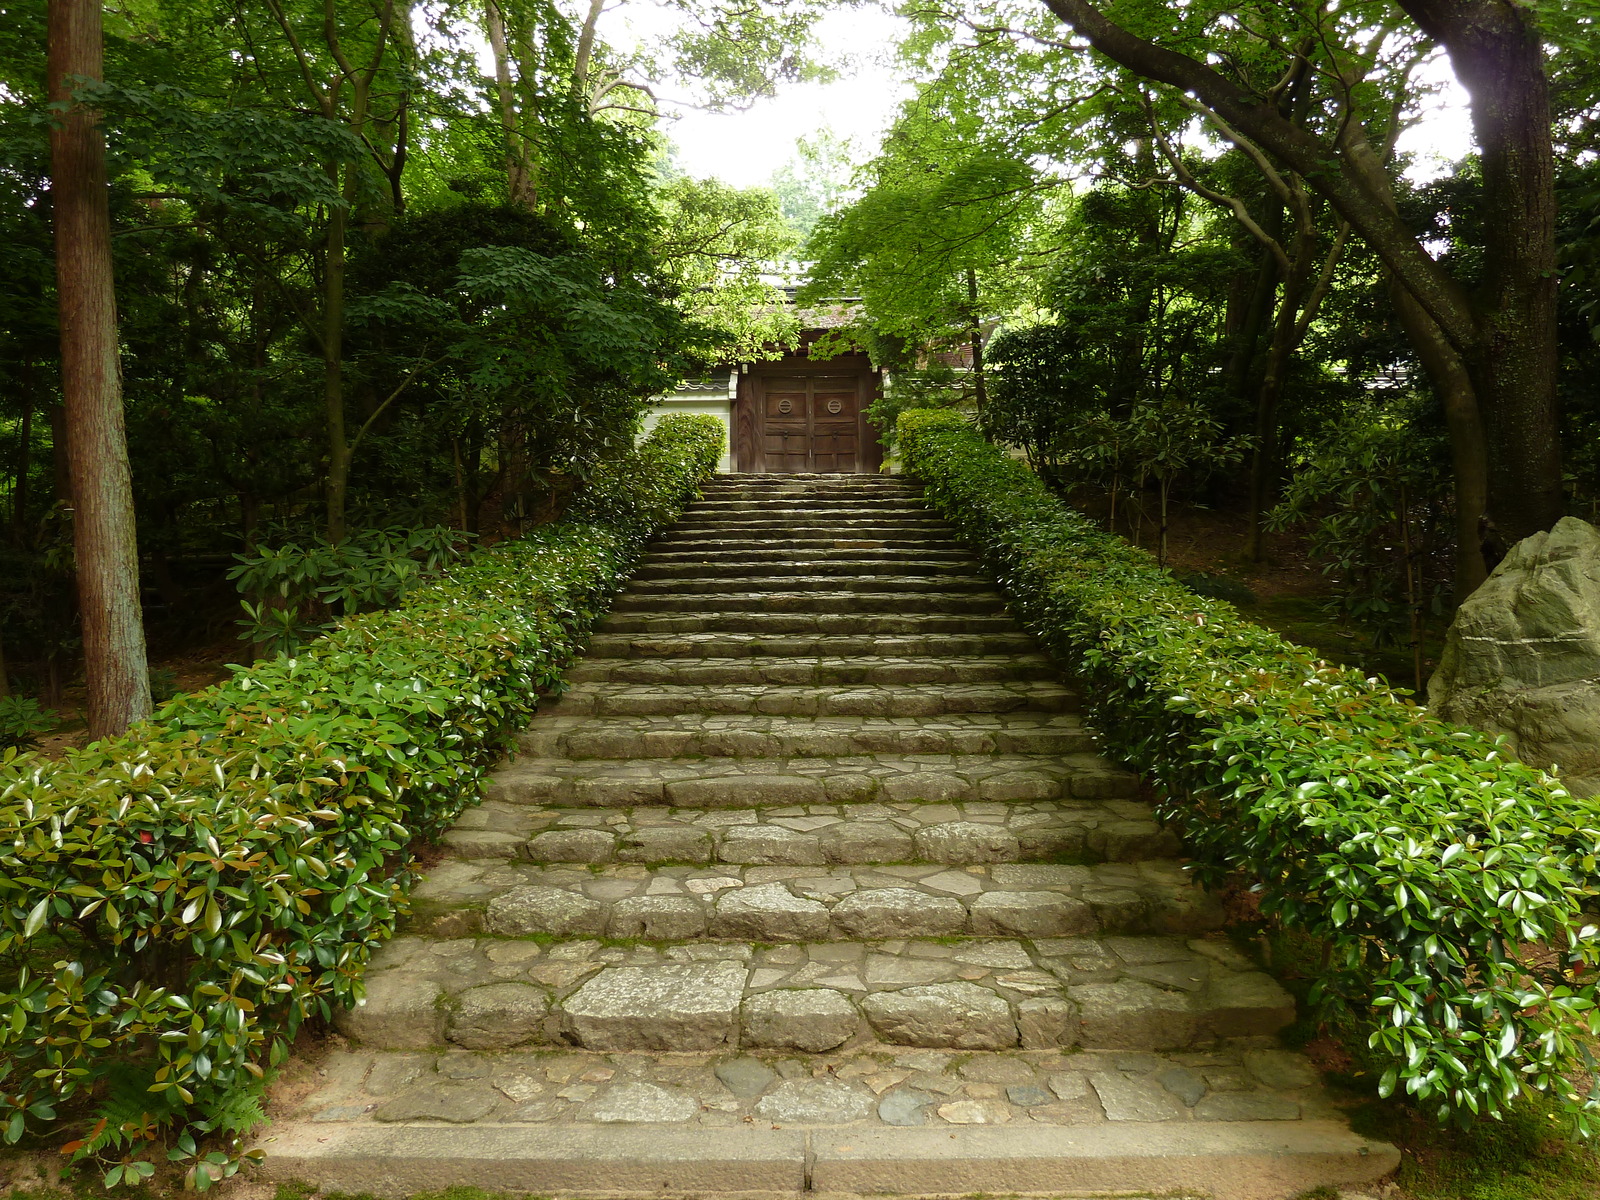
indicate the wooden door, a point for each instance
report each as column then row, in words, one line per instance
column 812, row 423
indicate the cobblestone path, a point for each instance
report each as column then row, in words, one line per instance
column 817, row 840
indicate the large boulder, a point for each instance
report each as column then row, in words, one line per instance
column 1523, row 655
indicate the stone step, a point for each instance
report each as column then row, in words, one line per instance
column 844, row 563
column 775, row 480
column 842, row 700
column 748, row 582
column 596, row 1153
column 781, row 903
column 771, row 553
column 821, row 489
column 834, row 602
column 744, row 514
column 1110, row 993
column 907, row 624
column 815, row 834
column 808, row 479
column 696, row 736
column 714, row 546
column 748, row 504
column 758, row 646
column 822, row 498
column 866, row 524
column 814, row 670
column 855, row 904
column 987, row 780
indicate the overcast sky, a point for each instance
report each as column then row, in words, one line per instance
column 746, row 148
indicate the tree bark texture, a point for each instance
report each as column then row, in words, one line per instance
column 105, row 545
column 1506, row 338
column 1497, row 55
column 520, row 187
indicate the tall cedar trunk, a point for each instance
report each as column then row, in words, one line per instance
column 1263, row 455
column 1505, row 332
column 5, row 677
column 980, row 388
column 105, row 545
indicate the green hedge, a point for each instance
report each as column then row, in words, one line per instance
column 176, row 901
column 1446, row 880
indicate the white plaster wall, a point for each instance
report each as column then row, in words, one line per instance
column 711, row 406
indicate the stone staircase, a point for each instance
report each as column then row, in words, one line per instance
column 812, row 880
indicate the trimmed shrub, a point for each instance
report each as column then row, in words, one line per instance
column 175, row 902
column 1446, row 881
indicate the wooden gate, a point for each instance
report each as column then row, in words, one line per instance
column 798, row 415
column 811, row 423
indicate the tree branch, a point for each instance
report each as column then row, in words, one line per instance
column 390, row 399
column 1337, row 180
column 1233, row 204
column 1320, row 289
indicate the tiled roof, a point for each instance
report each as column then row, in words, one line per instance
column 832, row 316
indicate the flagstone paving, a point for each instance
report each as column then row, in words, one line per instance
column 814, row 858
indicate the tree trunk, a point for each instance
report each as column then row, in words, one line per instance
column 333, row 375
column 1505, row 331
column 1245, row 336
column 24, row 469
column 475, row 489
column 519, row 178
column 583, row 57
column 249, row 518
column 1285, row 340
column 1497, row 54
column 980, row 390
column 105, row 545
column 1264, row 457
column 396, row 170
column 1469, row 452
column 1127, row 370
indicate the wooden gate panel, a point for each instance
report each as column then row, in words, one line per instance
column 786, row 433
column 835, row 422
